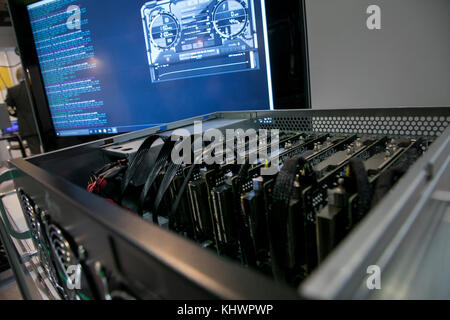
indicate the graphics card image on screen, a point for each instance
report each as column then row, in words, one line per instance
column 195, row 38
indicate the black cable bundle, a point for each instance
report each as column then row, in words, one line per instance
column 282, row 249
column 157, row 166
column 106, row 181
column 141, row 163
column 4, row 265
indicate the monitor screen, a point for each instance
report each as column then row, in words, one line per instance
column 119, row 66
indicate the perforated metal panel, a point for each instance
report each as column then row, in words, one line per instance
column 419, row 122
column 397, row 126
column 403, row 126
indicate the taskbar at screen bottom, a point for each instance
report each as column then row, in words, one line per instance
column 103, row 130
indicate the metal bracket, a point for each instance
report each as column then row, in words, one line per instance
column 4, row 177
column 28, row 256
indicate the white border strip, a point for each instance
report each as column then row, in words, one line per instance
column 266, row 47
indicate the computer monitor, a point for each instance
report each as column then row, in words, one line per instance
column 119, row 66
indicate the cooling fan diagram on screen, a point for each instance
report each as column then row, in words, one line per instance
column 195, row 38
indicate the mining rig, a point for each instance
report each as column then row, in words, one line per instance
column 115, row 219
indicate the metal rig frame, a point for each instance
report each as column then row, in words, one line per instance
column 157, row 263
